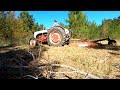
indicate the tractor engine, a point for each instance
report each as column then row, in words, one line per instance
column 41, row 36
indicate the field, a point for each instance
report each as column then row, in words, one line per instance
column 21, row 62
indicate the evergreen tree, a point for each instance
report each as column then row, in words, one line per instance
column 28, row 20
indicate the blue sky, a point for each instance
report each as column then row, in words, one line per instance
column 47, row 17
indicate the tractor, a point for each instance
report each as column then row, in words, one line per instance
column 54, row 36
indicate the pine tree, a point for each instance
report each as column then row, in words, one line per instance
column 77, row 23
column 28, row 20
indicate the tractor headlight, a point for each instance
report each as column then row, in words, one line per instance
column 66, row 31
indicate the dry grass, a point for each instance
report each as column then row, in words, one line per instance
column 104, row 63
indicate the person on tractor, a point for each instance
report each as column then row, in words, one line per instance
column 55, row 23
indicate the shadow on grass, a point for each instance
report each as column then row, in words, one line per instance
column 19, row 58
column 114, row 53
column 2, row 47
column 107, row 47
column 19, row 64
column 6, row 47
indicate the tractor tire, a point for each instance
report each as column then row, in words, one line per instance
column 56, row 36
column 33, row 42
column 68, row 42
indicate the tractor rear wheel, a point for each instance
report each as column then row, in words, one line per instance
column 56, row 36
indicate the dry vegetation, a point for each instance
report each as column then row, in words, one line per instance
column 103, row 62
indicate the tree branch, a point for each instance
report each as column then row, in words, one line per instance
column 63, row 66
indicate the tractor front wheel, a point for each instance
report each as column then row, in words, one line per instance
column 32, row 42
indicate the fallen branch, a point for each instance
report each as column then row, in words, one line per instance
column 31, row 76
column 32, row 55
column 63, row 66
column 74, row 71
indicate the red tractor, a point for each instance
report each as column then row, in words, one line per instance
column 55, row 36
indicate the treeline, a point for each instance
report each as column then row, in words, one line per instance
column 18, row 30
column 81, row 27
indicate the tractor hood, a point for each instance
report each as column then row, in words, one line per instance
column 39, row 32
